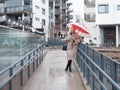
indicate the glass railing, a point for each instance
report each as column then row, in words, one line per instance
column 14, row 44
column 18, row 9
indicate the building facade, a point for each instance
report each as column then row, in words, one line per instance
column 58, row 18
column 108, row 22
column 85, row 14
column 89, row 20
column 27, row 15
column 15, row 13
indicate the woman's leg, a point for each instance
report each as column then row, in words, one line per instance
column 70, row 62
column 68, row 65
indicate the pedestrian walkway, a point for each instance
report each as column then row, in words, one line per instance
column 51, row 74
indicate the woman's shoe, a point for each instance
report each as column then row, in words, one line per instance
column 66, row 69
column 70, row 70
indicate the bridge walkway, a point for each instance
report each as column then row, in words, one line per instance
column 51, row 74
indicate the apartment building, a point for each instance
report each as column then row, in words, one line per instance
column 89, row 20
column 40, row 10
column 27, row 15
column 84, row 13
column 108, row 22
column 12, row 13
column 58, row 18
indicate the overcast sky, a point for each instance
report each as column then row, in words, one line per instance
column 78, row 7
column 75, row 6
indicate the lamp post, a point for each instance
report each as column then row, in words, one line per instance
column 23, row 17
column 9, row 22
column 31, row 22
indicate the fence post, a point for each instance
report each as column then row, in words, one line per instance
column 115, row 75
column 21, row 73
column 10, row 74
column 102, row 67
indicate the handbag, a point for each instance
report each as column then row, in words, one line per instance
column 64, row 47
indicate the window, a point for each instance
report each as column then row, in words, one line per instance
column 43, row 11
column 103, row 8
column 37, row 19
column 43, row 21
column 43, row 1
column 51, row 15
column 118, row 7
column 37, row 7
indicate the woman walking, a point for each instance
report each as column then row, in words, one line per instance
column 72, row 41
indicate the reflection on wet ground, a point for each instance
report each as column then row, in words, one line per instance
column 51, row 74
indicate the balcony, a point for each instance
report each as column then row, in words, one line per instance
column 89, row 3
column 18, row 9
column 57, row 12
column 68, row 4
column 57, row 4
column 15, row 9
column 57, row 27
column 2, row 11
column 89, row 17
column 63, row 6
column 64, row 0
column 69, row 10
column 57, row 21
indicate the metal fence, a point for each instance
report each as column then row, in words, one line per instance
column 55, row 42
column 100, row 71
column 26, row 64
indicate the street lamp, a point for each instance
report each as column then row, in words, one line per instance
column 31, row 17
column 9, row 22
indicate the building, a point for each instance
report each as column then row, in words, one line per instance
column 16, row 13
column 84, row 13
column 27, row 15
column 58, row 18
column 108, row 22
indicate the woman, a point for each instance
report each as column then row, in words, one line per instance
column 72, row 41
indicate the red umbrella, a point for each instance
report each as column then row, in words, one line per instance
column 81, row 28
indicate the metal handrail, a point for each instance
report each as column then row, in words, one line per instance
column 84, row 57
column 9, row 69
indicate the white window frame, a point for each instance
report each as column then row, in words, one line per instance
column 118, row 7
column 103, row 8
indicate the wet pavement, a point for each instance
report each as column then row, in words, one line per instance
column 51, row 74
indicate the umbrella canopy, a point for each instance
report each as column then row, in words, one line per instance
column 80, row 29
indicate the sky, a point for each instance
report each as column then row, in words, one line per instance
column 75, row 6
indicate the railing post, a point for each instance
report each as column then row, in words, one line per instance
column 29, row 70
column 115, row 75
column 37, row 58
column 102, row 67
column 87, row 76
column 21, row 73
column 33, row 61
column 10, row 74
column 42, row 52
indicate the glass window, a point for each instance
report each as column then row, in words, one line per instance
column 37, row 7
column 43, row 11
column 43, row 1
column 118, row 7
column 43, row 21
column 37, row 19
column 103, row 8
